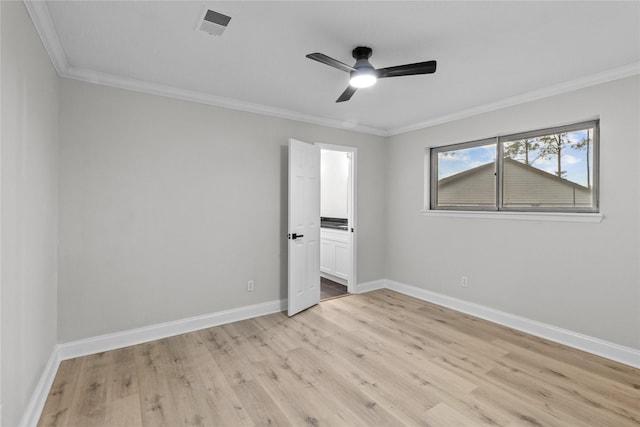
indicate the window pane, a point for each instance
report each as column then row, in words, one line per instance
column 549, row 171
column 466, row 177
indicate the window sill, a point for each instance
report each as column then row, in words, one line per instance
column 519, row 216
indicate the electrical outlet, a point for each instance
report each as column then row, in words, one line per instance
column 250, row 286
column 464, row 281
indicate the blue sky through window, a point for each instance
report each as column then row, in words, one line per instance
column 456, row 161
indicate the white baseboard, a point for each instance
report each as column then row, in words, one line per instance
column 626, row 355
column 370, row 286
column 164, row 330
column 130, row 337
column 39, row 397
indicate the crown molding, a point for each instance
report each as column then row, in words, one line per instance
column 558, row 89
column 135, row 85
column 39, row 13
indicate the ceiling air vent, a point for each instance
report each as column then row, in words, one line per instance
column 214, row 23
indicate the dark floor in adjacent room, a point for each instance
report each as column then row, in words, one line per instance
column 331, row 289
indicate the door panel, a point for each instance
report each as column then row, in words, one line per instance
column 342, row 260
column 304, row 226
column 326, row 256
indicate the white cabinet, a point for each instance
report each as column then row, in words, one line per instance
column 334, row 253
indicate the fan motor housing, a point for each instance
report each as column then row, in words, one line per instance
column 362, row 66
column 361, row 52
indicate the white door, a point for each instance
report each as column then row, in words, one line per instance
column 304, row 226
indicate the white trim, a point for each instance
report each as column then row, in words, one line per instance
column 158, row 89
column 521, row 216
column 163, row 330
column 333, row 147
column 39, row 13
column 35, row 405
column 609, row 350
column 628, row 70
column 233, row 104
column 41, row 18
column 370, row 286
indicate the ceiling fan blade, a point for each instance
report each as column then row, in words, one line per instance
column 426, row 67
column 347, row 94
column 321, row 57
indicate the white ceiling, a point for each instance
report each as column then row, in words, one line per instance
column 489, row 54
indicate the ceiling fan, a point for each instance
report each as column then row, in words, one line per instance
column 363, row 74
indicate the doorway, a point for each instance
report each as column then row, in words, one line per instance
column 337, row 212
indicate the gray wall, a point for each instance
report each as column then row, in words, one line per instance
column 167, row 208
column 580, row 276
column 29, row 198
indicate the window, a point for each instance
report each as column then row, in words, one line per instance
column 549, row 170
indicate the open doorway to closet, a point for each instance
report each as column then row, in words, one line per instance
column 337, row 212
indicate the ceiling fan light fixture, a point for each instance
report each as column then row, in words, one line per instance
column 363, row 74
column 361, row 79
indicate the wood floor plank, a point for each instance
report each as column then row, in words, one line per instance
column 236, row 368
column 393, row 343
column 262, row 409
column 380, row 358
column 443, row 415
column 121, row 375
column 190, row 391
column 584, row 384
column 533, row 412
column 433, row 339
column 355, row 349
column 405, row 401
column 252, row 341
column 298, row 397
column 406, row 383
column 564, row 400
column 90, row 402
column 62, row 393
column 329, row 381
column 123, row 411
column 156, row 398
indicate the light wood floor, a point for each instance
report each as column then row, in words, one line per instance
column 377, row 359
